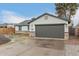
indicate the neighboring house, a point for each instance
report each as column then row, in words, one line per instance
column 22, row 27
column 7, row 25
column 7, row 28
column 49, row 26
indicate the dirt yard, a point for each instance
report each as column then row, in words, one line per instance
column 4, row 40
column 26, row 46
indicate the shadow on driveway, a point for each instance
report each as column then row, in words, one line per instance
column 53, row 44
column 4, row 40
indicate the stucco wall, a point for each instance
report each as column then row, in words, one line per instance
column 10, row 26
column 16, row 28
column 23, row 28
column 66, row 28
column 50, row 20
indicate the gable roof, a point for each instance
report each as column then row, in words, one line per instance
column 33, row 19
column 24, row 22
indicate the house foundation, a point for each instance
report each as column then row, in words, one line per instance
column 66, row 35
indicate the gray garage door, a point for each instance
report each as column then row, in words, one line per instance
column 52, row 31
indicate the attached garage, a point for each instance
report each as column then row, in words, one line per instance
column 49, row 26
column 51, row 31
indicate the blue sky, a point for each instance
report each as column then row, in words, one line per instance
column 15, row 13
column 29, row 9
column 23, row 10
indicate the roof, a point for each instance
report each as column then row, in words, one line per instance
column 24, row 23
column 33, row 19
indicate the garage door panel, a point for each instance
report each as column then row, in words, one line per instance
column 55, row 31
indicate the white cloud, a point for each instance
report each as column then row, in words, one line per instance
column 11, row 17
column 76, row 18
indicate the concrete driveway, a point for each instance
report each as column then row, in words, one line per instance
column 72, row 47
column 24, row 46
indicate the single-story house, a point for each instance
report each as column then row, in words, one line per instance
column 22, row 27
column 49, row 26
column 45, row 26
column 7, row 25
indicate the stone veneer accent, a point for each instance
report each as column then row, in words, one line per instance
column 32, row 34
column 66, row 35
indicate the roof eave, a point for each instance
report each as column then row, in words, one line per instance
column 46, row 14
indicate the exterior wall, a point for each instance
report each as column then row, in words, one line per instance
column 10, row 26
column 16, row 28
column 50, row 20
column 24, row 28
column 21, row 28
column 42, row 20
column 66, row 29
column 66, row 33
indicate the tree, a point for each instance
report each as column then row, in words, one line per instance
column 66, row 10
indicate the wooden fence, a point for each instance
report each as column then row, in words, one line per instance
column 7, row 31
column 71, row 31
column 77, row 32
